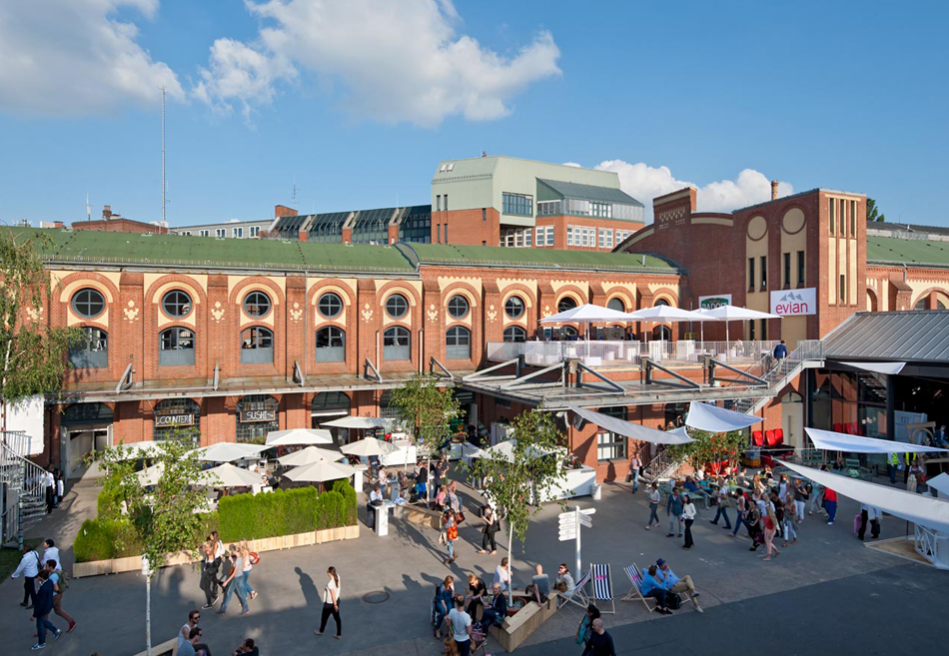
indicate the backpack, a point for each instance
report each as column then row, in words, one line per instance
column 254, row 557
column 63, row 580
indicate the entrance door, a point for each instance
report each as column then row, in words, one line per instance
column 792, row 420
column 79, row 444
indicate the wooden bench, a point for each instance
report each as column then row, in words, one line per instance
column 419, row 516
column 167, row 648
column 521, row 625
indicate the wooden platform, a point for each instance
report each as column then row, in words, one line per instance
column 518, row 628
column 903, row 546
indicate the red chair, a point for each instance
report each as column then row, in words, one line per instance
column 756, row 438
column 838, row 428
column 769, row 438
column 778, row 437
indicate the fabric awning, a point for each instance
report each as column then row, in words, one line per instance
column 629, row 429
column 718, row 420
column 917, row 508
column 888, row 368
column 831, row 441
column 940, row 484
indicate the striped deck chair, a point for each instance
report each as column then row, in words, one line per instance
column 578, row 595
column 635, row 594
column 602, row 586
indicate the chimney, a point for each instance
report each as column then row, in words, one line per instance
column 774, row 190
column 484, row 153
column 106, row 212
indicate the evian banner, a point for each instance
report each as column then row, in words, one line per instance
column 794, row 302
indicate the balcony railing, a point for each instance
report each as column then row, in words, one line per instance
column 619, row 353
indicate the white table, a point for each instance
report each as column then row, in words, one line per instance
column 382, row 517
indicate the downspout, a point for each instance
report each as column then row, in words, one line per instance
column 306, row 321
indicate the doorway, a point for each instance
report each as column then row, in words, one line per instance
column 792, row 420
column 81, row 442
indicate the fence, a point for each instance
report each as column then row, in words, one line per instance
column 618, row 353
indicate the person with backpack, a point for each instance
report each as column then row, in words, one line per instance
column 60, row 585
column 29, row 567
column 41, row 610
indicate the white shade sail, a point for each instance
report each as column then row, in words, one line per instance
column 629, row 429
column 357, row 423
column 940, row 484
column 718, row 420
column 732, row 313
column 320, row 472
column 369, row 447
column 888, row 368
column 229, row 451
column 227, row 475
column 150, row 475
column 506, row 450
column 664, row 313
column 917, row 508
column 136, row 449
column 587, row 314
column 298, row 437
column 831, row 441
column 309, row 455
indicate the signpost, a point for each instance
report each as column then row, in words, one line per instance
column 570, row 523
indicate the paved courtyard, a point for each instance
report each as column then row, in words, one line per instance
column 829, row 591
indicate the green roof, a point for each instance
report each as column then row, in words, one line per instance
column 534, row 258
column 590, row 192
column 891, row 250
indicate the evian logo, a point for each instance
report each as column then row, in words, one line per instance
column 794, row 302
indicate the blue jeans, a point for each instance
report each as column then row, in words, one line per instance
column 831, row 508
column 635, row 473
column 653, row 507
column 236, row 585
column 722, row 513
column 451, row 548
column 247, row 588
column 891, row 472
column 739, row 520
column 673, row 520
column 41, row 625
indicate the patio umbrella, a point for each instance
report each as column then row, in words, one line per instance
column 586, row 314
column 150, row 475
column 320, row 472
column 728, row 313
column 309, row 455
column 369, row 447
column 299, row 436
column 227, row 475
column 136, row 449
column 229, row 451
column 666, row 314
column 359, row 423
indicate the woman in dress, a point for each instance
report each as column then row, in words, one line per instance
column 492, row 524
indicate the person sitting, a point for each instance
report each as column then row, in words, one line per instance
column 498, row 611
column 539, row 587
column 940, row 438
column 690, row 484
column 565, row 582
column 651, row 587
column 476, row 592
column 247, row 648
column 442, row 603
column 673, row 583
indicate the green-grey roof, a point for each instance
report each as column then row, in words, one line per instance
column 532, row 258
column 891, row 250
column 590, row 192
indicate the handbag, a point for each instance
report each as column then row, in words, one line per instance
column 459, row 517
column 254, row 557
column 673, row 601
column 629, row 477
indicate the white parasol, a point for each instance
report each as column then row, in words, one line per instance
column 309, row 455
column 320, row 472
column 299, row 436
column 229, row 451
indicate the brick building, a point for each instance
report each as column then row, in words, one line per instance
column 112, row 222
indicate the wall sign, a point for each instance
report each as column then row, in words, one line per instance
column 174, row 420
column 794, row 302
column 712, row 302
column 257, row 416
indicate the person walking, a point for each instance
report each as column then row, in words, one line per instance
column 635, row 465
column 601, row 642
column 830, row 505
column 654, row 498
column 58, row 578
column 460, row 624
column 451, row 534
column 331, row 603
column 232, row 584
column 790, row 531
column 722, row 496
column 741, row 512
column 492, row 524
column 41, row 610
column 770, row 528
column 674, row 512
column 209, row 569
column 50, row 492
column 29, row 567
column 801, row 495
column 60, row 488
column 688, row 516
column 585, row 630
column 248, row 557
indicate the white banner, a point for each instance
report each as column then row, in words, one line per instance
column 794, row 302
column 712, row 302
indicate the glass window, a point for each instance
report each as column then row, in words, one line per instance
column 254, row 231
column 87, row 413
column 833, row 216
column 204, row 233
column 800, row 267
column 257, row 304
column 177, row 419
column 176, row 303
column 514, row 307
column 256, row 346
column 787, row 269
column 853, row 218
column 219, row 233
column 458, row 343
column 257, row 415
column 616, row 304
column 751, row 274
column 484, row 214
column 92, row 352
column 606, row 238
column 920, row 304
column 458, row 306
column 326, row 402
column 397, row 306
column 659, row 302
column 843, row 216
column 396, row 344
column 843, row 289
column 566, row 303
column 88, row 303
column 764, row 272
column 176, row 348
column 237, row 233
column 515, row 334
column 330, row 305
column 517, row 204
column 610, row 446
column 330, row 344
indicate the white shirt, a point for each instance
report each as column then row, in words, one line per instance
column 59, row 487
column 502, row 576
column 375, row 496
column 460, row 621
column 655, row 496
column 50, row 481
column 331, row 586
column 219, row 550
column 182, row 636
column 52, row 554
column 29, row 565
column 688, row 510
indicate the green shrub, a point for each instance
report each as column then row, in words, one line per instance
column 285, row 512
column 350, row 502
column 95, row 541
column 109, row 504
column 329, row 510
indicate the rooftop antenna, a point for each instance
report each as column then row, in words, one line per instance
column 163, row 187
column 88, row 209
column 294, row 191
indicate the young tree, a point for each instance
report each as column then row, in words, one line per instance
column 873, row 212
column 535, row 468
column 164, row 519
column 710, row 447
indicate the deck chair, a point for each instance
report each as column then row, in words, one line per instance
column 576, row 596
column 635, row 593
column 602, row 586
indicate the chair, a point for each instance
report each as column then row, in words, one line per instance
column 769, row 438
column 756, row 438
column 635, row 593
column 778, row 436
column 576, row 596
column 838, row 428
column 602, row 586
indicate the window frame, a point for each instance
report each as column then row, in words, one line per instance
column 331, row 352
column 458, row 343
column 801, row 269
column 620, row 301
column 787, row 270
column 520, row 301
column 517, row 333
column 463, row 300
column 396, row 334
column 615, row 446
column 566, row 299
column 74, row 302
column 246, row 303
column 85, row 357
column 258, row 352
column 176, row 347
column 328, row 296
column 165, row 303
column 394, row 298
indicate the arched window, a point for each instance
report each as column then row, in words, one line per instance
column 177, row 419
column 92, row 352
column 176, row 348
column 387, row 409
column 256, row 416
column 336, row 403
column 397, row 306
column 256, row 346
column 458, row 306
column 87, row 413
column 88, row 303
column 566, row 303
column 660, row 301
column 921, row 303
column 257, row 305
column 330, row 344
column 176, row 303
column 458, row 343
column 570, row 332
column 617, row 304
column 330, row 305
column 514, row 307
column 515, row 334
column 396, row 344
column 663, row 333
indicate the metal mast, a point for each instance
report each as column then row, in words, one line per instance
column 163, row 187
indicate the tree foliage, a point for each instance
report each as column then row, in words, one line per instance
column 710, row 447
column 534, row 469
column 425, row 408
column 34, row 355
column 873, row 212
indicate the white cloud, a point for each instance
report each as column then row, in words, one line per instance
column 394, row 61
column 644, row 182
column 72, row 57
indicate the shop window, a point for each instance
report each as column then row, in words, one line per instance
column 458, row 343
column 177, row 419
column 257, row 305
column 396, row 344
column 515, row 334
column 176, row 348
column 88, row 303
column 92, row 352
column 330, row 344
column 256, row 416
column 257, row 346
column 86, row 413
column 176, row 303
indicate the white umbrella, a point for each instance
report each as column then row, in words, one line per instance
column 136, row 449
column 227, row 475
column 309, row 455
column 369, row 447
column 586, row 314
column 320, row 472
column 229, row 451
column 299, row 436
column 359, row 423
column 729, row 313
column 151, row 475
column 666, row 314
column 506, row 450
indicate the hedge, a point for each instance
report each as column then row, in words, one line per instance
column 108, row 504
column 103, row 539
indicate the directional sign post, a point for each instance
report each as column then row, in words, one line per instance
column 570, row 524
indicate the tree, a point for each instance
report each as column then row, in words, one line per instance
column 164, row 520
column 873, row 213
column 33, row 354
column 709, row 448
column 534, row 469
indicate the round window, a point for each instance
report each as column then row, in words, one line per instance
column 330, row 305
column 514, row 307
column 176, row 303
column 458, row 307
column 566, row 303
column 88, row 303
column 397, row 306
column 257, row 304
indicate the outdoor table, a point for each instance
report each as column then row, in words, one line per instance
column 357, row 476
column 382, row 517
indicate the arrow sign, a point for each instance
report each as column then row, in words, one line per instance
column 585, row 521
column 588, row 511
column 568, row 535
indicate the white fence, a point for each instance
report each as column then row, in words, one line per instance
column 618, row 353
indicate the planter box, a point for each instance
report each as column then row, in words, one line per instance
column 519, row 628
column 134, row 563
column 167, row 648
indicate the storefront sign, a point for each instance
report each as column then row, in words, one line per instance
column 174, row 420
column 712, row 302
column 257, row 416
column 794, row 302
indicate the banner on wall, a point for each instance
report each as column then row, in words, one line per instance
column 712, row 302
column 794, row 302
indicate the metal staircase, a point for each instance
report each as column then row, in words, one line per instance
column 660, row 467
column 23, row 493
column 809, row 353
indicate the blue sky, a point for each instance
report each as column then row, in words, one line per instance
column 356, row 102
